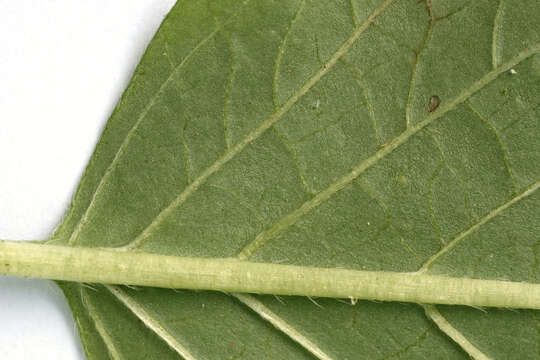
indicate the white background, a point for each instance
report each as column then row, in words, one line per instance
column 63, row 66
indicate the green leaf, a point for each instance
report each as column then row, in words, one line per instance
column 300, row 133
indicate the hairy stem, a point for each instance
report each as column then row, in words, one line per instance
column 133, row 268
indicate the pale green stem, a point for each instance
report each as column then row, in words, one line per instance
column 132, row 268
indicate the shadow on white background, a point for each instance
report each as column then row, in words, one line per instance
column 63, row 66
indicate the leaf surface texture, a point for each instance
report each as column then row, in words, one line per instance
column 298, row 132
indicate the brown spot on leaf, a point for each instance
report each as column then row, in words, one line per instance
column 434, row 102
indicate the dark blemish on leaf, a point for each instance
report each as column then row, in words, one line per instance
column 433, row 103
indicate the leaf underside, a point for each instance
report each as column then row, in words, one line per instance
column 298, row 132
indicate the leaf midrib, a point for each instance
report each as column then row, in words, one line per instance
column 295, row 335
column 268, row 123
column 312, row 348
column 289, row 219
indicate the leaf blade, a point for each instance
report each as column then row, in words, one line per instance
column 303, row 144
